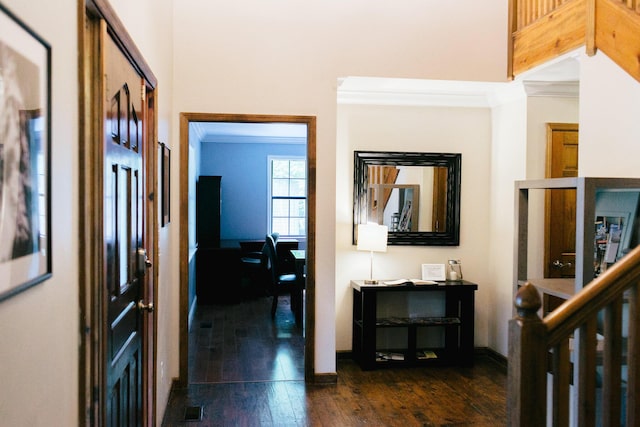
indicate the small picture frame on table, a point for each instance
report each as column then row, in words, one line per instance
column 435, row 272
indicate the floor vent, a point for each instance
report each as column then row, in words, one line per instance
column 193, row 413
column 206, row 325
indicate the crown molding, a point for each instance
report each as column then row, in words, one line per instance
column 436, row 93
column 252, row 139
column 446, row 93
column 197, row 131
column 566, row 89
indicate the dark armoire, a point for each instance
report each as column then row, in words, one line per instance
column 217, row 264
column 208, row 211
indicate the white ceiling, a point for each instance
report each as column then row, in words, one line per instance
column 233, row 132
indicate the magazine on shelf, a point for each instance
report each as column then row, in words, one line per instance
column 426, row 354
column 383, row 356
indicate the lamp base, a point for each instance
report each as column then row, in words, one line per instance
column 370, row 282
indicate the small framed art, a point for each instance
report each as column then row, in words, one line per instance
column 435, row 272
column 166, row 183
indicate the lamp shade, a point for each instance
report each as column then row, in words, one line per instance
column 372, row 237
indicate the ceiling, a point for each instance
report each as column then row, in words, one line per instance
column 233, row 132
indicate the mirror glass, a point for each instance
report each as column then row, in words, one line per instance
column 417, row 195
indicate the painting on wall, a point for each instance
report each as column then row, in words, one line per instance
column 165, row 154
column 25, row 140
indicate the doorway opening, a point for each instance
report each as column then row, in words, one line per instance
column 193, row 129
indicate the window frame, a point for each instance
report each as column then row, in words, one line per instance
column 270, row 197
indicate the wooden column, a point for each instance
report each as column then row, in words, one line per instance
column 527, row 373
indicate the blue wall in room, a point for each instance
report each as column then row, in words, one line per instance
column 243, row 167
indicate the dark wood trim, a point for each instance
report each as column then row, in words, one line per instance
column 101, row 9
column 493, row 355
column 183, row 321
column 310, row 300
column 309, row 310
column 328, row 378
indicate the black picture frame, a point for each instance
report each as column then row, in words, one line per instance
column 450, row 235
column 25, row 157
column 165, row 154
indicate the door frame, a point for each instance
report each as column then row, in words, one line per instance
column 93, row 17
column 309, row 309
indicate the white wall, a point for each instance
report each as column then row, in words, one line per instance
column 39, row 327
column 285, row 57
column 508, row 160
column 609, row 111
column 427, row 129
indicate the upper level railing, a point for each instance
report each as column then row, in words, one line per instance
column 541, row 30
column 586, row 354
column 528, row 11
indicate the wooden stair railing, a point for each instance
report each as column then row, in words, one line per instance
column 541, row 30
column 381, row 175
column 568, row 338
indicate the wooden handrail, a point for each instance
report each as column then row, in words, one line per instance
column 594, row 297
column 565, row 345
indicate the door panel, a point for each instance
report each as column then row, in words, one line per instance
column 123, row 230
column 560, row 217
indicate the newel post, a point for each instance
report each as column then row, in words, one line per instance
column 527, row 372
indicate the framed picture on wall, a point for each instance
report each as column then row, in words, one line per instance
column 25, row 144
column 165, row 153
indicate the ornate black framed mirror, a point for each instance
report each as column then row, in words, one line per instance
column 417, row 195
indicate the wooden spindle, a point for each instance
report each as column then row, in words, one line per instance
column 611, row 362
column 586, row 342
column 633, row 358
column 561, row 370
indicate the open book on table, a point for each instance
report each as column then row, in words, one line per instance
column 415, row 282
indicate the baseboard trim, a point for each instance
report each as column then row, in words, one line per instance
column 344, row 354
column 327, row 378
column 492, row 355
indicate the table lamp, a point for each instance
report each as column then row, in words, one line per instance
column 372, row 238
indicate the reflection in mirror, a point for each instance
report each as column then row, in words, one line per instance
column 418, row 191
column 396, row 206
column 415, row 194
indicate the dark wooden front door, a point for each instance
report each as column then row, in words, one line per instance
column 123, row 236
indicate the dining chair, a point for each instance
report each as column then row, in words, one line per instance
column 252, row 262
column 279, row 283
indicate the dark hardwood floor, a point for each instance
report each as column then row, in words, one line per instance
column 246, row 370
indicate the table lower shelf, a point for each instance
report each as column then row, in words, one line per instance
column 417, row 321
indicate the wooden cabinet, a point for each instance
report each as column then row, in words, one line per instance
column 218, row 275
column 217, row 267
column 208, row 204
column 413, row 325
column 599, row 202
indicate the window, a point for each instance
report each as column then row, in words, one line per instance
column 288, row 196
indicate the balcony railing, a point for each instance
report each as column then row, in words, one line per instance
column 541, row 30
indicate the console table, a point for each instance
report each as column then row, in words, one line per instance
column 413, row 324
